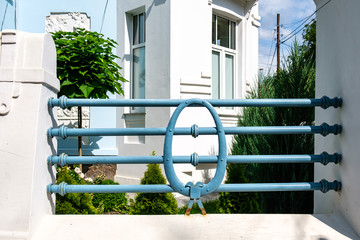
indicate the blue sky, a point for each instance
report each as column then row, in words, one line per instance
column 291, row 12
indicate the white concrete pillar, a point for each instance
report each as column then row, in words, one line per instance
column 27, row 81
column 337, row 74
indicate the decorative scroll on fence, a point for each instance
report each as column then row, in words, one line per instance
column 196, row 191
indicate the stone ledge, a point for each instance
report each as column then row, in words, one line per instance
column 213, row 226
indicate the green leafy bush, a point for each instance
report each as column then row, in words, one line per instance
column 86, row 65
column 74, row 203
column 111, row 202
column 154, row 203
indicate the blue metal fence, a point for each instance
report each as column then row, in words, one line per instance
column 195, row 191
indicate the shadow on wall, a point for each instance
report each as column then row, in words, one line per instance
column 339, row 224
column 154, row 3
column 69, row 145
column 7, row 14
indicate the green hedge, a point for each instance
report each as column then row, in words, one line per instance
column 111, row 202
column 154, row 203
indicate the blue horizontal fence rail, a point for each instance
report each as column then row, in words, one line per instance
column 65, row 132
column 323, row 158
column 323, row 102
column 195, row 191
column 323, row 185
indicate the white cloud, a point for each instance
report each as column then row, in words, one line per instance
column 266, row 33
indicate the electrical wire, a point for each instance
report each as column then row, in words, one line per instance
column 287, row 38
column 272, row 61
column 297, row 22
column 272, row 42
column 286, row 45
column 296, row 31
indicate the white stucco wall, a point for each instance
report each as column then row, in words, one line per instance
column 157, row 67
column 337, row 74
column 27, row 81
column 191, row 65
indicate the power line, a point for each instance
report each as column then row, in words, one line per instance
column 295, row 23
column 286, row 45
column 272, row 42
column 298, row 27
column 272, row 60
column 293, row 34
column 296, row 31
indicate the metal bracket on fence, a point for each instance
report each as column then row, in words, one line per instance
column 326, row 129
column 195, row 131
column 195, row 194
column 327, row 102
column 194, row 159
column 326, row 158
column 326, row 186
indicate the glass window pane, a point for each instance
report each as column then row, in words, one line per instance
column 232, row 35
column 214, row 29
column 229, row 76
column 222, row 32
column 135, row 30
column 138, row 91
column 215, row 75
column 141, row 28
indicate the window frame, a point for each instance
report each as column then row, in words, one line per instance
column 223, row 51
column 232, row 25
column 137, row 45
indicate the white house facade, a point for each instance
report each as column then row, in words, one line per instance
column 183, row 49
column 169, row 49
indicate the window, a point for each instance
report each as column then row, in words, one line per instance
column 223, row 58
column 223, row 32
column 138, row 59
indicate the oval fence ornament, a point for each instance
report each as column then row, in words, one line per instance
column 199, row 189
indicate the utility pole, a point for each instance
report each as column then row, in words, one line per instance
column 278, row 42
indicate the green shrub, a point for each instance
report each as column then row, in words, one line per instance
column 111, row 202
column 73, row 203
column 154, row 203
column 295, row 80
column 238, row 202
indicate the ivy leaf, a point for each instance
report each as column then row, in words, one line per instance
column 86, row 90
column 66, row 83
column 83, row 73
